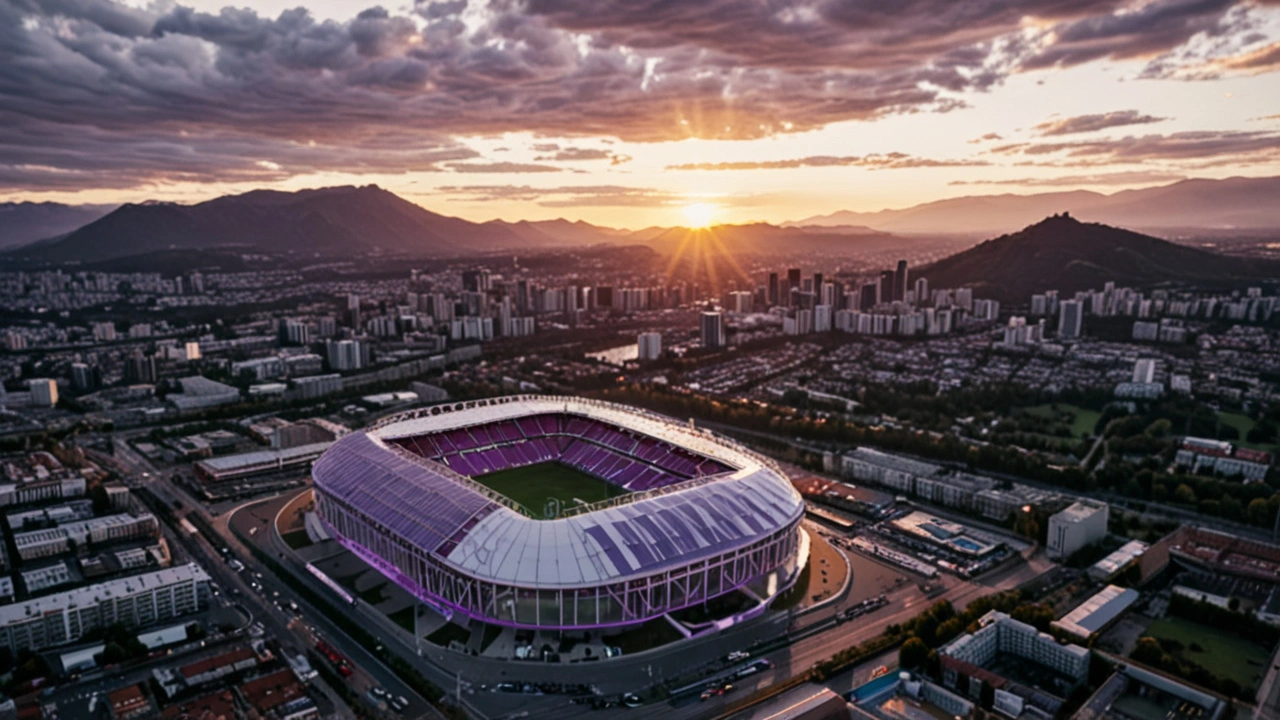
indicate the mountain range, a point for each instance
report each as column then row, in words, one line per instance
column 1238, row 202
column 1065, row 254
column 27, row 222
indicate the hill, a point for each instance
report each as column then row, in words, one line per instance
column 1239, row 202
column 1065, row 254
column 323, row 222
column 26, row 222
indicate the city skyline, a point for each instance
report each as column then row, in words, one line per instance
column 689, row 114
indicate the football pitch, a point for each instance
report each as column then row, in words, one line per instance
column 533, row 485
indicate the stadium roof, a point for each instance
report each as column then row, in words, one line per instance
column 1098, row 611
column 485, row 539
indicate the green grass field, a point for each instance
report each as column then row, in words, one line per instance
column 533, row 485
column 1244, row 424
column 1083, row 420
column 1224, row 654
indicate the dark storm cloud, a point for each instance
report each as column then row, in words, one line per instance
column 1091, row 123
column 170, row 93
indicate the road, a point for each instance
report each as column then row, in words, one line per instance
column 822, row 638
column 1149, row 509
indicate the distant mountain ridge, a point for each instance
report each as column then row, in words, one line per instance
column 1061, row 253
column 1237, row 202
column 26, row 222
column 325, row 221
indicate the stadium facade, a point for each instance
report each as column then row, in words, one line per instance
column 702, row 515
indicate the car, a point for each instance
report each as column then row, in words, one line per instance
column 632, row 700
column 400, row 703
column 379, row 693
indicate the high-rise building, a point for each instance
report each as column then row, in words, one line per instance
column 44, row 392
column 104, row 331
column 870, row 296
column 604, row 296
column 887, row 280
column 649, row 346
column 1070, row 319
column 139, row 368
column 922, row 291
column 740, row 301
column 1144, row 370
column 793, row 282
column 346, row 354
column 900, row 281
column 822, row 318
column 1081, row 524
column 713, row 328
column 773, row 299
column 85, row 377
column 476, row 280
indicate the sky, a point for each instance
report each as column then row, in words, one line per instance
column 633, row 113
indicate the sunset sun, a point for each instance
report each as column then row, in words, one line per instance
column 699, row 215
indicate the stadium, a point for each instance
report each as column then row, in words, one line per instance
column 561, row 513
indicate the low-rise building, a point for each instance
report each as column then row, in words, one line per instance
column 134, row 601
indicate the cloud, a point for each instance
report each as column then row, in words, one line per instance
column 887, row 161
column 166, row 93
column 502, row 168
column 1092, row 123
column 985, row 138
column 1115, row 178
column 574, row 154
column 565, row 196
column 1239, row 146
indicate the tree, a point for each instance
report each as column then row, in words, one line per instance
column 1259, row 512
column 1148, row 651
column 1184, row 495
column 913, row 653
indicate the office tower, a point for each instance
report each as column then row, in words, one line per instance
column 1070, row 319
column 1039, row 305
column 649, row 346
column 713, row 329
column 887, row 280
column 900, row 281
column 793, row 282
column 476, row 280
column 504, row 316
column 922, row 291
column 740, row 301
column 773, row 299
column 1144, row 370
column 139, row 368
column 604, row 296
column 817, row 282
column 522, row 295
column 44, row 392
column 870, row 296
